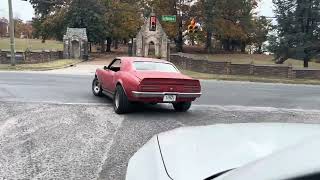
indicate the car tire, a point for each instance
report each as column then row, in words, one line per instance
column 182, row 106
column 121, row 103
column 96, row 87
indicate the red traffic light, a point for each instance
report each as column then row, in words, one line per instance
column 153, row 23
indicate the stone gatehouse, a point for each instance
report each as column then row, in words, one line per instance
column 75, row 43
column 151, row 41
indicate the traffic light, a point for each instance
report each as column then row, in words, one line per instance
column 193, row 27
column 153, row 23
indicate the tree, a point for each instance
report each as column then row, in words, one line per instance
column 229, row 21
column 3, row 27
column 18, row 27
column 180, row 8
column 89, row 14
column 124, row 21
column 298, row 30
column 208, row 14
column 44, row 8
column 262, row 27
column 54, row 18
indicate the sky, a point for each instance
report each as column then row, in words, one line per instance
column 265, row 8
column 24, row 10
column 21, row 9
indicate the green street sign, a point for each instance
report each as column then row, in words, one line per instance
column 169, row 18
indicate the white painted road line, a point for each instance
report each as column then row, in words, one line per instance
column 57, row 103
column 255, row 108
column 216, row 107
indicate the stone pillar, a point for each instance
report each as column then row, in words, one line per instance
column 134, row 47
column 168, row 51
column 228, row 67
column 157, row 48
column 130, row 48
column 66, row 47
column 252, row 68
column 291, row 72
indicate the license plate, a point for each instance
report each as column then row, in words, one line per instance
column 169, row 98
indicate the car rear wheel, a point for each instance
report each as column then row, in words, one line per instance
column 96, row 87
column 121, row 103
column 182, row 106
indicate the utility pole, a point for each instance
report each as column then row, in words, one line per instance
column 11, row 22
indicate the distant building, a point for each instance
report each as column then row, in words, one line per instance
column 4, row 27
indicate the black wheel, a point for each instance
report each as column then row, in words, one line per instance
column 121, row 103
column 182, row 106
column 96, row 87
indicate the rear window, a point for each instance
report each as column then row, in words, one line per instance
column 154, row 66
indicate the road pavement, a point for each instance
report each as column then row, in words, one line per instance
column 60, row 88
column 52, row 127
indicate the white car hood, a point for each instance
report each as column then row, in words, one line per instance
column 199, row 152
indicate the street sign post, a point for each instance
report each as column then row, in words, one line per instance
column 169, row 18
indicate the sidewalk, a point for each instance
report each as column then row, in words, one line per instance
column 83, row 68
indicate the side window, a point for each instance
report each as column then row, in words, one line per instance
column 115, row 66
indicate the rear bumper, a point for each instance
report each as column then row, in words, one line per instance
column 137, row 94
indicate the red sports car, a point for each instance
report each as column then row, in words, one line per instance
column 135, row 79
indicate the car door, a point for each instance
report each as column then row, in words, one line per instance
column 109, row 75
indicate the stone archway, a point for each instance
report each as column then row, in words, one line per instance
column 151, row 49
column 75, row 49
column 75, row 43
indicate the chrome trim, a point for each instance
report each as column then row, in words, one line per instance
column 161, row 94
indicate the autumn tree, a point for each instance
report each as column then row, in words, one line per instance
column 3, row 27
column 124, row 20
column 49, row 21
column 180, row 8
column 229, row 21
column 54, row 18
column 18, row 27
column 262, row 27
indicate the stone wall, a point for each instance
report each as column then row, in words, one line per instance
column 271, row 71
column 3, row 58
column 218, row 67
column 213, row 67
column 31, row 57
column 307, row 73
column 241, row 69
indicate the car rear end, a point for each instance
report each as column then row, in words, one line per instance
column 167, row 90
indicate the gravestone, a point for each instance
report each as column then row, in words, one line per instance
column 75, row 43
column 151, row 40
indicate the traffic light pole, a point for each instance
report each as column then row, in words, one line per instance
column 11, row 22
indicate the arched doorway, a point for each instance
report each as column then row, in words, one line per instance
column 151, row 49
column 75, row 51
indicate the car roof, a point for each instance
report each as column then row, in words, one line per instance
column 132, row 59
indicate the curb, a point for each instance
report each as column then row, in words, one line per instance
column 41, row 69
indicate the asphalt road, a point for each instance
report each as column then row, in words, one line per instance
column 52, row 127
column 27, row 87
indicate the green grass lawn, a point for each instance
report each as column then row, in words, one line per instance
column 57, row 64
column 258, row 59
column 33, row 44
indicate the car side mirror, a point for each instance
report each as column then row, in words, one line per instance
column 105, row 67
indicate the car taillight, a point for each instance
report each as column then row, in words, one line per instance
column 191, row 89
column 149, row 88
